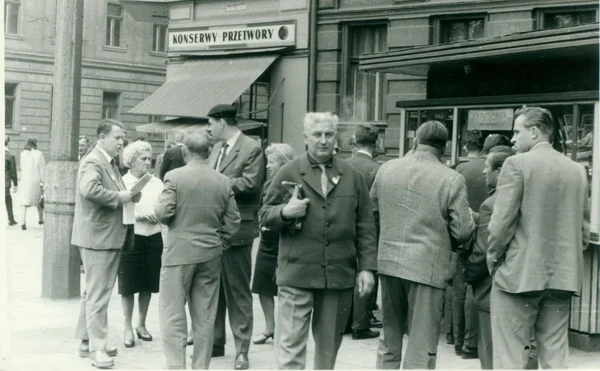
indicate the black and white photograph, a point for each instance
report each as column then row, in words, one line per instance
column 301, row 184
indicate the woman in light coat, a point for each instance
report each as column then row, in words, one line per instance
column 32, row 180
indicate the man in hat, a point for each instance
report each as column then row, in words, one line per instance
column 242, row 160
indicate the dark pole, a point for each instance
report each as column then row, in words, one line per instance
column 60, row 272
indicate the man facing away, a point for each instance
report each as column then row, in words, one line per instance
column 199, row 222
column 424, row 214
column 173, row 157
column 10, row 176
column 538, row 231
column 101, row 231
column 327, row 245
column 365, row 144
column 241, row 159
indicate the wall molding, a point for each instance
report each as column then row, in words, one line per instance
column 83, row 76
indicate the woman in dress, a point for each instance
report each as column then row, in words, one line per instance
column 263, row 282
column 32, row 180
column 139, row 271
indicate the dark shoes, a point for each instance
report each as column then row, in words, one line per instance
column 84, row 350
column 450, row 339
column 375, row 323
column 364, row 334
column 262, row 338
column 241, row 362
column 218, row 351
column 190, row 339
column 101, row 359
column 143, row 335
column 469, row 353
column 23, row 227
column 458, row 349
column 12, row 222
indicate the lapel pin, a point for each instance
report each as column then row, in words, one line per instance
column 335, row 180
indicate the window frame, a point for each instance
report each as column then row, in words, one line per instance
column 438, row 23
column 116, row 106
column 15, row 106
column 156, row 28
column 110, row 22
column 9, row 4
column 541, row 13
column 348, row 60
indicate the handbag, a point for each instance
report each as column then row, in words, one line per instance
column 41, row 199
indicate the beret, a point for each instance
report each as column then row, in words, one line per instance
column 222, row 111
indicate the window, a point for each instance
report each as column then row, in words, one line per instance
column 11, row 16
column 159, row 38
column 560, row 18
column 10, row 98
column 460, row 29
column 110, row 105
column 363, row 92
column 114, row 23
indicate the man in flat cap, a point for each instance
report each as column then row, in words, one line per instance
column 241, row 159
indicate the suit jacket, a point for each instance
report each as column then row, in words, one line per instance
column 244, row 166
column 365, row 165
column 477, row 190
column 98, row 220
column 10, row 169
column 476, row 270
column 172, row 159
column 423, row 210
column 200, row 222
column 337, row 236
column 540, row 224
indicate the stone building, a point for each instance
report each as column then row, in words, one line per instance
column 123, row 63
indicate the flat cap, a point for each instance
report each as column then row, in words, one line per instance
column 222, row 111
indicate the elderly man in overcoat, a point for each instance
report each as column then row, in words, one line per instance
column 320, row 205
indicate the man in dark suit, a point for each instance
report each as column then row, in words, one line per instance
column 199, row 223
column 173, row 157
column 241, row 159
column 10, row 176
column 361, row 317
column 102, row 227
column 327, row 245
column 538, row 231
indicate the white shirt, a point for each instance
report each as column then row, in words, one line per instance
column 230, row 144
column 150, row 195
column 364, row 152
column 108, row 158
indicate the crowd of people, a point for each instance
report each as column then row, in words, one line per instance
column 489, row 251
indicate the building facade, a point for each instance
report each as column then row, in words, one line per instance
column 123, row 63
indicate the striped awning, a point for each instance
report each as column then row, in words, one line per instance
column 200, row 84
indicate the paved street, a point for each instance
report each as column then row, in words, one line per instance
column 41, row 330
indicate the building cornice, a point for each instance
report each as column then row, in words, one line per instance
column 87, row 63
column 429, row 8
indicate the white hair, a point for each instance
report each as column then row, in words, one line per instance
column 133, row 150
column 312, row 118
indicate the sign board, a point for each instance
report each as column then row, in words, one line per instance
column 238, row 37
column 492, row 119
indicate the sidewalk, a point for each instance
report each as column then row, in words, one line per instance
column 42, row 330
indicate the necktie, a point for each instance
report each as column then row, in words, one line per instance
column 117, row 173
column 221, row 156
column 324, row 180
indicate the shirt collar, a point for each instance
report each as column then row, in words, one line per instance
column 313, row 163
column 231, row 142
column 364, row 152
column 106, row 155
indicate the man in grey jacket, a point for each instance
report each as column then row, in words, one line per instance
column 424, row 213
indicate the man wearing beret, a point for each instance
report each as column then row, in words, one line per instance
column 241, row 159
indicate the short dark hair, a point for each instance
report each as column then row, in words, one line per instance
column 474, row 140
column 230, row 121
column 105, row 126
column 197, row 142
column 31, row 143
column 494, row 140
column 538, row 117
column 432, row 133
column 366, row 135
column 6, row 140
column 498, row 155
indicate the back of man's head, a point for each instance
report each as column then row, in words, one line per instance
column 474, row 140
column 433, row 134
column 178, row 137
column 197, row 143
column 366, row 136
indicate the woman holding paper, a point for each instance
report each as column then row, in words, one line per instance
column 139, row 271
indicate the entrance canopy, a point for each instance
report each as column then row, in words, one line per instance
column 526, row 46
column 200, row 84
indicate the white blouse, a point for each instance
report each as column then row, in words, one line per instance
column 150, row 194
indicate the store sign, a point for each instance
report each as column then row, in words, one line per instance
column 493, row 119
column 234, row 37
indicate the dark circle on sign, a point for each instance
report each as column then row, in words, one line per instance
column 283, row 32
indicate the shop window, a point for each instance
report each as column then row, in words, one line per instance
column 254, row 102
column 569, row 17
column 362, row 98
column 455, row 29
column 114, row 24
column 10, row 99
column 11, row 16
column 110, row 105
column 159, row 38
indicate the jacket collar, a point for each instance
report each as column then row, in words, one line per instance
column 313, row 181
column 426, row 156
column 541, row 145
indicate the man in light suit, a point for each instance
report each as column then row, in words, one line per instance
column 101, row 231
column 241, row 159
column 424, row 215
column 538, row 231
column 200, row 223
column 327, row 246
